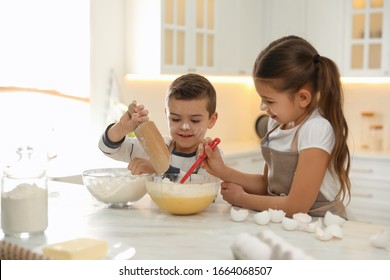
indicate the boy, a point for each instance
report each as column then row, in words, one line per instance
column 191, row 111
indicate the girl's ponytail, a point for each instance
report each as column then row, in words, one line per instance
column 330, row 104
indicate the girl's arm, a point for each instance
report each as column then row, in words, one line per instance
column 252, row 183
column 309, row 174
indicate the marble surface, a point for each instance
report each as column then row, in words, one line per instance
column 145, row 232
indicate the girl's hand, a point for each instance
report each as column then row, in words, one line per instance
column 140, row 166
column 232, row 193
column 213, row 163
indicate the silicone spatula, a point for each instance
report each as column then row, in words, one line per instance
column 213, row 145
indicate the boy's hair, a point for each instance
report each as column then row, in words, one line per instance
column 193, row 87
column 290, row 63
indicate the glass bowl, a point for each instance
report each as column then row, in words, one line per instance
column 192, row 197
column 116, row 187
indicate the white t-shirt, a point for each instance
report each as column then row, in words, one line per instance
column 315, row 132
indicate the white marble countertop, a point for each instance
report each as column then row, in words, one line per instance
column 155, row 234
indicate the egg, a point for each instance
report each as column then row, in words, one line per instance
column 238, row 214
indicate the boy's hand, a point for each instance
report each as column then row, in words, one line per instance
column 140, row 166
column 134, row 116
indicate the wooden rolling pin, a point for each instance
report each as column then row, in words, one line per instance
column 153, row 143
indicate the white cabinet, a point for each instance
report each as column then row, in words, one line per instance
column 239, row 37
column 367, row 51
column 252, row 163
column 320, row 22
column 370, row 200
column 170, row 36
column 203, row 36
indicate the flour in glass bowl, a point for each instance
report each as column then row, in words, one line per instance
column 24, row 209
column 118, row 190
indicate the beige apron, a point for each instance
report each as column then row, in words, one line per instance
column 281, row 169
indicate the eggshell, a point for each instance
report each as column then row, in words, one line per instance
column 276, row 215
column 302, row 217
column 238, row 214
column 289, row 224
column 380, row 240
column 323, row 235
column 262, row 218
column 311, row 227
column 335, row 230
column 330, row 219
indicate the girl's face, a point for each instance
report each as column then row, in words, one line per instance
column 283, row 107
column 188, row 123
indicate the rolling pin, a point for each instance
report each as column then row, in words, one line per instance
column 153, row 143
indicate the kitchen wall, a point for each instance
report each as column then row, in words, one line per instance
column 367, row 97
column 237, row 102
column 238, row 108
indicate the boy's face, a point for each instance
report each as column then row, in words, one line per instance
column 188, row 121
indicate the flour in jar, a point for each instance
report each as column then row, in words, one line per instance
column 24, row 209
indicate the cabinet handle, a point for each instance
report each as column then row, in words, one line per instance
column 362, row 170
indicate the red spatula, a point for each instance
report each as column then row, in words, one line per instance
column 213, row 145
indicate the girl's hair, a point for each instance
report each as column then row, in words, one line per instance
column 290, row 63
column 193, row 87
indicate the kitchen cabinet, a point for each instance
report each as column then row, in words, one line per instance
column 368, row 38
column 202, row 36
column 175, row 36
column 249, row 163
column 370, row 192
column 320, row 22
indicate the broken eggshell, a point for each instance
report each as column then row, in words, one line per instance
column 276, row 215
column 289, row 224
column 302, row 218
column 310, row 227
column 380, row 240
column 238, row 214
column 329, row 232
column 330, row 219
column 262, row 218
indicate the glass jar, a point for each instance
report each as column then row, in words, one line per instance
column 368, row 119
column 376, row 137
column 24, row 196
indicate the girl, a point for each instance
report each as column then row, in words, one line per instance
column 191, row 111
column 305, row 149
